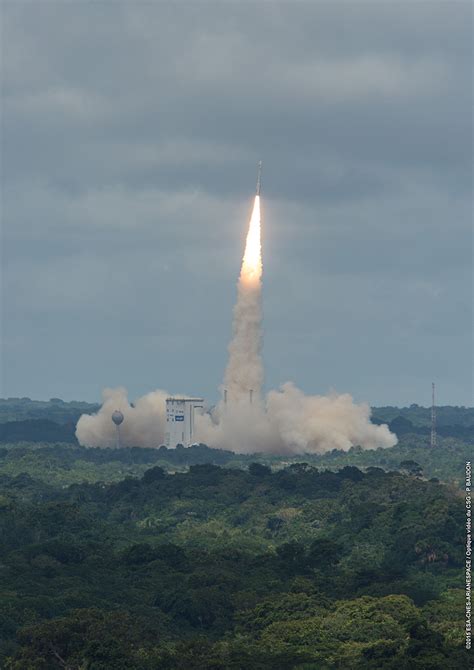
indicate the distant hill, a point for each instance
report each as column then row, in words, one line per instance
column 25, row 409
column 450, row 421
column 420, row 417
column 37, row 430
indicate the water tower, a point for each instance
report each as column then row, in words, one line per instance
column 117, row 418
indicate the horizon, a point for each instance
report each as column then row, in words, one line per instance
column 98, row 402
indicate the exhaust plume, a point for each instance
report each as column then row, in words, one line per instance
column 286, row 421
column 290, row 422
column 244, row 372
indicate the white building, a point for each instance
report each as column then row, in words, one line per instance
column 180, row 415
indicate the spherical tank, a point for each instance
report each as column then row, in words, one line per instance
column 117, row 417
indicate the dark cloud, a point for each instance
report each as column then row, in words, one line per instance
column 130, row 137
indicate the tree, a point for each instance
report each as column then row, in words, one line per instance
column 153, row 475
column 412, row 468
column 259, row 470
column 324, row 553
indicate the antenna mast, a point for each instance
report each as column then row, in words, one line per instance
column 433, row 417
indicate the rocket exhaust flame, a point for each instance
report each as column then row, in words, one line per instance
column 251, row 272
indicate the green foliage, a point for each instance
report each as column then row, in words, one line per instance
column 446, row 462
column 160, row 559
column 259, row 470
column 63, row 464
column 25, row 409
column 231, row 568
column 420, row 417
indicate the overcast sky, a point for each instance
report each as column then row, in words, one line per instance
column 131, row 133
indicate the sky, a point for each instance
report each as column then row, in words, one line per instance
column 131, row 132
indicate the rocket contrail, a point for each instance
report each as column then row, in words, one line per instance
column 244, row 373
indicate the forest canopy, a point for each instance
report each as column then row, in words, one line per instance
column 220, row 567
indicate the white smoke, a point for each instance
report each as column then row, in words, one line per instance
column 143, row 424
column 244, row 370
column 321, row 423
column 285, row 422
column 289, row 422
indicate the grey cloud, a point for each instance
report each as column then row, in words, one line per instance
column 131, row 132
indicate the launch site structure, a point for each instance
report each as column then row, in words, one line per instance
column 180, row 420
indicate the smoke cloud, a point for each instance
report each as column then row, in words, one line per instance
column 290, row 422
column 143, row 424
column 286, row 421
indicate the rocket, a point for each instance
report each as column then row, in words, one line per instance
column 259, row 177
